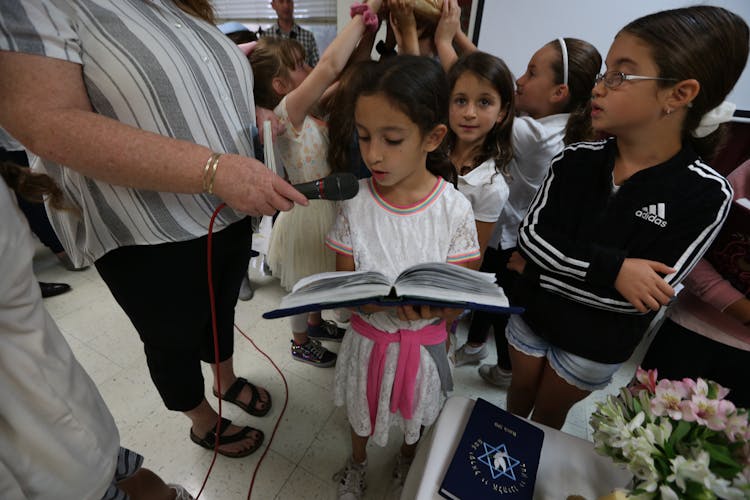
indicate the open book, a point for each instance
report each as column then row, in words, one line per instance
column 437, row 284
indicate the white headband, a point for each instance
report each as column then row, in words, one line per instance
column 564, row 50
column 711, row 120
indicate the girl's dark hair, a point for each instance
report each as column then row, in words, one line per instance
column 340, row 108
column 30, row 186
column 498, row 142
column 271, row 58
column 417, row 86
column 708, row 44
column 584, row 63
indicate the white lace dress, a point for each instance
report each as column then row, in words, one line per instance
column 389, row 239
column 297, row 245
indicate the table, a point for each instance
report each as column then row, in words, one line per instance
column 568, row 464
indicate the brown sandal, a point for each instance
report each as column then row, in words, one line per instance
column 233, row 393
column 209, row 440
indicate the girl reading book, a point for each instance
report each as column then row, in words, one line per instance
column 618, row 223
column 392, row 367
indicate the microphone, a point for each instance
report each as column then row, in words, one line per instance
column 341, row 186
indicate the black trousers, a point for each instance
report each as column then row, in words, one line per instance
column 677, row 352
column 494, row 261
column 164, row 291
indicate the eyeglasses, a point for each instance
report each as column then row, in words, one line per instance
column 613, row 79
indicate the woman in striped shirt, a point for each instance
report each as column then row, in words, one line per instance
column 127, row 104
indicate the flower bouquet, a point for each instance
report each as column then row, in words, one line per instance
column 680, row 439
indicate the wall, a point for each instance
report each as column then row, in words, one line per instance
column 515, row 29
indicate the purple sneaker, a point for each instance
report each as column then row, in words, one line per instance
column 312, row 353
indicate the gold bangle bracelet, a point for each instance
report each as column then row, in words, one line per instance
column 206, row 169
column 209, row 172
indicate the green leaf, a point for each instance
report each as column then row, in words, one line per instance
column 679, row 432
column 719, row 454
column 696, row 491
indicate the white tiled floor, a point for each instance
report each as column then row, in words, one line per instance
column 312, row 441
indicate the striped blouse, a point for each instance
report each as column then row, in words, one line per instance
column 150, row 65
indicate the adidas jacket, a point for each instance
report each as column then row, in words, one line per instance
column 579, row 230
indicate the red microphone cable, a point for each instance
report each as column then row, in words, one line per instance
column 212, row 302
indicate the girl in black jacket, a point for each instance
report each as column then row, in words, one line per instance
column 618, row 223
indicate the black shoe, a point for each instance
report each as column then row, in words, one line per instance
column 52, row 289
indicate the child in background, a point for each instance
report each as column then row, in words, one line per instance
column 481, row 125
column 646, row 207
column 284, row 82
column 707, row 332
column 405, row 214
column 552, row 97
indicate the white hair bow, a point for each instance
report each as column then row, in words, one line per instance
column 711, row 120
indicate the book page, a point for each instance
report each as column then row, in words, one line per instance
column 335, row 287
column 451, row 283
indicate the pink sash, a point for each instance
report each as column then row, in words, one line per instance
column 402, row 395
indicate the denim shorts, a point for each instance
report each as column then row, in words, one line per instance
column 580, row 372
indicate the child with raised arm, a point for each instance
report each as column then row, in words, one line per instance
column 393, row 367
column 618, row 223
column 284, row 82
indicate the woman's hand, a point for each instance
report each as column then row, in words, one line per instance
column 248, row 186
column 740, row 310
column 639, row 283
column 516, row 263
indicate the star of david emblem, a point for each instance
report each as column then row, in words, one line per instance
column 499, row 461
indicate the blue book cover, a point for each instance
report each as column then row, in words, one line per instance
column 436, row 284
column 497, row 457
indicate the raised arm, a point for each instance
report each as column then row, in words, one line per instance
column 301, row 100
column 446, row 31
column 46, row 107
column 404, row 26
column 448, row 35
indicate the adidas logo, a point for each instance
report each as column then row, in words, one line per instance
column 653, row 213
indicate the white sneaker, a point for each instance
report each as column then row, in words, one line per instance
column 495, row 375
column 464, row 358
column 181, row 492
column 351, row 479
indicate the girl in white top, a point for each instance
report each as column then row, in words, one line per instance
column 285, row 83
column 481, row 123
column 404, row 215
column 552, row 98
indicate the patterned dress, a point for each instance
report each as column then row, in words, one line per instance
column 387, row 238
column 297, row 247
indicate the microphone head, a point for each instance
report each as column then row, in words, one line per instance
column 340, row 186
